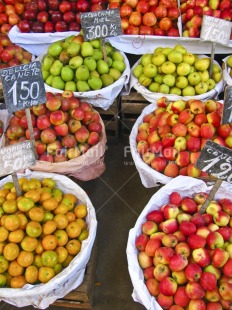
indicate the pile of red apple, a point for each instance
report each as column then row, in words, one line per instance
column 192, row 12
column 171, row 137
column 10, row 13
column 64, row 127
column 55, row 15
column 148, row 17
column 186, row 257
column 12, row 54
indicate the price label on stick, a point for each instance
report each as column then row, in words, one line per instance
column 101, row 24
column 216, row 30
column 16, row 157
column 227, row 106
column 23, row 86
column 216, row 160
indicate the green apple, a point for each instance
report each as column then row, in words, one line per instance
column 201, row 88
column 202, row 64
column 69, row 39
column 169, row 80
column 73, row 49
column 67, row 73
column 55, row 49
column 164, row 89
column 45, row 74
column 116, row 74
column 181, row 82
column 188, row 91
column 94, row 73
column 146, row 59
column 138, row 70
column 217, row 76
column 175, row 56
column 175, row 91
column 159, row 70
column 204, row 75
column 95, row 83
column 192, row 69
column 189, row 58
column 97, row 54
column 180, row 48
column 150, row 70
column 70, row 85
column 211, row 84
column 144, row 80
column 229, row 61
column 90, row 63
column 109, row 48
column 49, row 80
column 166, row 50
column 58, row 83
column 158, row 59
column 109, row 61
column 116, row 55
column 75, row 62
column 194, row 78
column 47, row 62
column 216, row 68
column 183, row 69
column 119, row 65
column 82, row 86
column 56, row 68
column 102, row 66
column 154, row 87
column 96, row 43
column 158, row 50
column 106, row 79
column 159, row 78
column 82, row 73
column 168, row 67
column 86, row 49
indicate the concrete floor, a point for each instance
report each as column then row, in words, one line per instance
column 118, row 197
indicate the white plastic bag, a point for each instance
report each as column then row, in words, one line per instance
column 151, row 96
column 43, row 295
column 186, row 186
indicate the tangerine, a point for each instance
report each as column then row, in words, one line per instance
column 4, row 192
column 61, row 236
column 39, row 249
column 48, row 216
column 3, row 234
column 71, row 216
column 25, row 258
column 57, row 194
column 58, row 268
column 12, row 222
column 67, row 202
column 11, row 251
column 61, row 209
column 24, row 204
column 82, row 223
column 18, row 282
column 49, row 227
column 22, row 180
column 29, row 244
column 8, row 185
column 71, row 197
column 61, row 221
column 83, row 235
column 44, row 196
column 48, row 182
column 33, row 183
column 16, row 236
column 10, row 206
column 33, row 194
column 62, row 254
column 11, row 196
column 31, row 274
column 2, row 244
column 34, row 229
column 2, row 280
column 3, row 264
column 2, row 200
column 3, row 220
column 50, row 204
column 68, row 260
column 23, row 221
column 49, row 258
column 36, row 214
column 80, row 211
column 38, row 261
column 49, row 242
column 73, row 247
column 45, row 274
column 73, row 230
column 15, row 269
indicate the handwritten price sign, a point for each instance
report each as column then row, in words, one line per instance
column 16, row 157
column 216, row 160
column 101, row 24
column 215, row 30
column 23, row 86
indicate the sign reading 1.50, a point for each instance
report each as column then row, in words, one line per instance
column 23, row 86
column 101, row 24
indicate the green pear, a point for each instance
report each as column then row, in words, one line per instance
column 146, row 59
column 159, row 78
column 55, row 49
column 73, row 49
column 96, row 43
column 116, row 55
column 150, row 70
column 181, row 82
column 90, row 63
column 47, row 62
column 97, row 54
column 169, row 80
column 216, row 68
column 109, row 61
column 175, row 91
column 107, row 79
column 67, row 73
column 49, row 80
column 158, row 59
column 45, row 74
column 138, row 70
column 82, row 86
column 75, row 62
column 64, row 57
column 188, row 91
column 217, row 76
column 144, row 80
column 194, row 78
column 201, row 88
column 116, row 74
column 202, row 64
column 164, row 89
column 211, row 84
column 119, row 65
column 94, row 73
column 70, row 85
column 175, row 56
column 95, row 83
column 58, row 83
column 86, row 49
column 109, row 49
column 229, row 61
column 82, row 73
column 102, row 67
column 154, row 87
column 56, row 68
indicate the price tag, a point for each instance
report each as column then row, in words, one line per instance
column 23, row 86
column 216, row 30
column 216, row 160
column 101, row 24
column 227, row 107
column 16, row 157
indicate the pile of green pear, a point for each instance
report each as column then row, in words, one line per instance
column 79, row 66
column 229, row 64
column 176, row 71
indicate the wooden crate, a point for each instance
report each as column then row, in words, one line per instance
column 110, row 120
column 82, row 296
column 132, row 106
